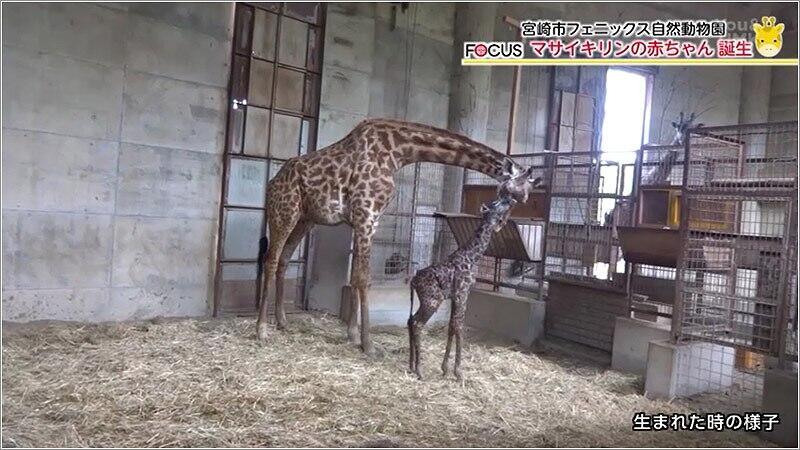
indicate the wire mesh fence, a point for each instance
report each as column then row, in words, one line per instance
column 737, row 266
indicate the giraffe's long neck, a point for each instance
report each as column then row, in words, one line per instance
column 478, row 244
column 422, row 143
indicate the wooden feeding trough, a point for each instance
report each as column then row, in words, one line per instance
column 656, row 247
column 519, row 239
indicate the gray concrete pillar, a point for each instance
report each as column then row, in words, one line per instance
column 469, row 90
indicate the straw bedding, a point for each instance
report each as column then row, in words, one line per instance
column 203, row 383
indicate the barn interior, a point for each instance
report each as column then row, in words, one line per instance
column 644, row 275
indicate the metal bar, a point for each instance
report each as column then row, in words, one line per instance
column 309, row 242
column 701, row 131
column 783, row 299
column 499, row 284
column 680, row 267
column 225, row 166
column 512, row 115
column 414, row 193
column 548, row 176
column 645, row 311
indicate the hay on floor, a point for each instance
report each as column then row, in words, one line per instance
column 206, row 383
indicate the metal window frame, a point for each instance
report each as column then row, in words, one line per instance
column 280, row 10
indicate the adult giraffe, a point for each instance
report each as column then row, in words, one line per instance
column 351, row 181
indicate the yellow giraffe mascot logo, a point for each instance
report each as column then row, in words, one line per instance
column 768, row 36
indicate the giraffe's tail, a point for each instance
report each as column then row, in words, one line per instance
column 263, row 246
column 411, row 307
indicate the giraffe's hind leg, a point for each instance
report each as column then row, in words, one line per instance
column 430, row 297
column 289, row 247
column 278, row 237
column 283, row 213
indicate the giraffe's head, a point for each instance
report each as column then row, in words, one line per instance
column 682, row 127
column 496, row 213
column 517, row 183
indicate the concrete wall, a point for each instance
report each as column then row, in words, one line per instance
column 113, row 129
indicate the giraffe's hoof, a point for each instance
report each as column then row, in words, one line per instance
column 262, row 332
column 458, row 375
column 368, row 350
column 353, row 336
column 281, row 326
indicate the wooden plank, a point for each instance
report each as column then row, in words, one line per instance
column 601, row 328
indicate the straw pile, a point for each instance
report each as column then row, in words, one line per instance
column 206, row 383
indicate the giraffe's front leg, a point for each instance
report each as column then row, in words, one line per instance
column 450, row 331
column 460, row 307
column 359, row 279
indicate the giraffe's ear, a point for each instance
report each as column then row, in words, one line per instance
column 510, row 169
column 535, row 181
column 757, row 27
column 484, row 208
column 779, row 28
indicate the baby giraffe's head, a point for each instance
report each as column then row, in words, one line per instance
column 518, row 184
column 496, row 213
column 682, row 127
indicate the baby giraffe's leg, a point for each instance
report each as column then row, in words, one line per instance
column 459, row 314
column 430, row 297
column 450, row 329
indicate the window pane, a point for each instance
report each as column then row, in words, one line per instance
column 260, row 83
column 289, row 90
column 294, row 40
column 256, row 132
column 312, row 96
column 314, row 45
column 272, row 6
column 285, row 137
column 239, row 78
column 235, row 129
column 274, row 168
column 244, row 20
column 306, row 11
column 307, row 137
column 246, row 182
column 293, row 284
column 242, row 233
column 238, row 287
column 264, row 32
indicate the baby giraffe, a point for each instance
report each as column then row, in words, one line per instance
column 453, row 278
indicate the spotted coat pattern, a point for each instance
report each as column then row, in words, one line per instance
column 352, row 181
column 453, row 278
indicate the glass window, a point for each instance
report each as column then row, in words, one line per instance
column 264, row 32
column 294, row 41
column 261, row 83
column 242, row 233
column 246, row 182
column 256, row 136
column 285, row 137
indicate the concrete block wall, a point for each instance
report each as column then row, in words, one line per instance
column 113, row 129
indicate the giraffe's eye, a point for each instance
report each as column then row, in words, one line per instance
column 762, row 41
column 774, row 40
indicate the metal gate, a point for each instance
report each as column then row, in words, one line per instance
column 272, row 116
